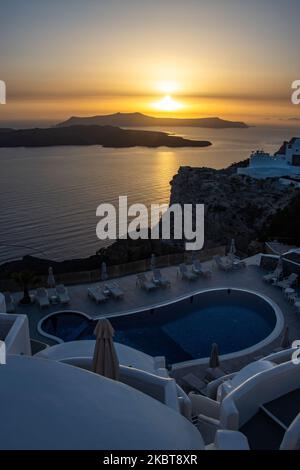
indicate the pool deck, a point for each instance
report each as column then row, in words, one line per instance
column 135, row 299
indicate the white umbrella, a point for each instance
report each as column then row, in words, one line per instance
column 105, row 360
column 214, row 360
column 2, row 304
column 51, row 280
column 104, row 275
column 232, row 249
column 279, row 266
column 152, row 261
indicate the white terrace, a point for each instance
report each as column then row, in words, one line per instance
column 136, row 299
column 271, row 392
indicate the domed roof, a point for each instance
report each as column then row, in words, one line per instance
column 49, row 405
column 85, row 348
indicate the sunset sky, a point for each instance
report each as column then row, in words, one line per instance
column 233, row 59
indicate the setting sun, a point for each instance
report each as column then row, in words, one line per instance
column 167, row 104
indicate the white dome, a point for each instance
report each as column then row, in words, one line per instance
column 48, row 405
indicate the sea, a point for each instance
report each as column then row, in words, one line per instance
column 49, row 196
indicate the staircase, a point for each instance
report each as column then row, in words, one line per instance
column 266, row 429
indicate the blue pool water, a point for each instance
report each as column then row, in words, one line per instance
column 184, row 330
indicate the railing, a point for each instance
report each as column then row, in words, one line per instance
column 269, row 262
column 120, row 270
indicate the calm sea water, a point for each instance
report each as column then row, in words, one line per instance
column 49, row 196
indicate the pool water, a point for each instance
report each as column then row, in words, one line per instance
column 184, row 330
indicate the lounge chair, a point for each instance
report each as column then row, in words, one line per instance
column 9, row 303
column 288, row 281
column 96, row 294
column 144, row 283
column 187, row 273
column 274, row 276
column 213, row 373
column 238, row 264
column 115, row 290
column 292, row 297
column 233, row 257
column 297, row 305
column 194, row 383
column 42, row 297
column 199, row 270
column 224, row 264
column 62, row 294
column 159, row 279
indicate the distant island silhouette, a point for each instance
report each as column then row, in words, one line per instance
column 141, row 120
column 106, row 136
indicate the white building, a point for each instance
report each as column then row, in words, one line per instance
column 285, row 162
column 52, row 401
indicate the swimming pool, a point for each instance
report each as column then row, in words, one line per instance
column 184, row 330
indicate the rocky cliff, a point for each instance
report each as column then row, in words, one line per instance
column 235, row 206
column 239, row 207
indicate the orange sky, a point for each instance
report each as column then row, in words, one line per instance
column 232, row 59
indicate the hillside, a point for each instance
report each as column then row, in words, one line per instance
column 141, row 120
column 107, row 136
column 237, row 207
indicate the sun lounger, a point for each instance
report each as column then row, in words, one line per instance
column 238, row 264
column 186, row 273
column 144, row 283
column 292, row 297
column 271, row 278
column 199, row 270
column 96, row 294
column 115, row 290
column 233, row 257
column 9, row 303
column 213, row 373
column 159, row 279
column 224, row 264
column 274, row 276
column 287, row 282
column 194, row 383
column 297, row 305
column 42, row 297
column 295, row 300
column 62, row 294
